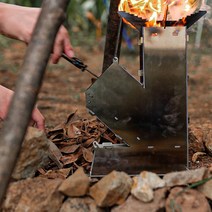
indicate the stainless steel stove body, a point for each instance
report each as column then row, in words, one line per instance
column 150, row 116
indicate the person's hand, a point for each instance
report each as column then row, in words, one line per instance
column 19, row 22
column 5, row 99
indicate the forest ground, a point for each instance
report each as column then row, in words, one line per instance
column 64, row 85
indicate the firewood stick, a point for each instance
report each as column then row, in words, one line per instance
column 28, row 86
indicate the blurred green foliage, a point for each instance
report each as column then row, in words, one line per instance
column 86, row 20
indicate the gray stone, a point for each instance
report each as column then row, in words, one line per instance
column 76, row 185
column 134, row 205
column 111, row 189
column 181, row 199
column 33, row 155
column 85, row 204
column 144, row 184
column 153, row 180
column 206, row 189
column 184, row 177
column 33, row 195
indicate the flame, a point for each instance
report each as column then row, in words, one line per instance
column 155, row 10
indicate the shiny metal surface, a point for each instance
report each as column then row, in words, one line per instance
column 151, row 118
column 139, row 23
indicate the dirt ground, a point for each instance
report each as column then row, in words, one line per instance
column 63, row 87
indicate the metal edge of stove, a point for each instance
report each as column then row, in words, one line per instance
column 138, row 23
column 191, row 19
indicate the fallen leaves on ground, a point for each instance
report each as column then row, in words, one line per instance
column 74, row 139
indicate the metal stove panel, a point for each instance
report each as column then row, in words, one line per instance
column 151, row 118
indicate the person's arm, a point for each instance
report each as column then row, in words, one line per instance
column 18, row 22
column 5, row 99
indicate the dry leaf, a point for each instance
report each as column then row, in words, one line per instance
column 55, row 154
column 88, row 142
column 74, row 138
column 53, row 133
column 62, row 143
column 69, row 148
column 87, row 154
column 41, row 171
column 72, row 117
column 54, row 174
column 71, row 158
column 107, row 137
column 72, row 131
column 57, row 136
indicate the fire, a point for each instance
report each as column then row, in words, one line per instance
column 155, row 11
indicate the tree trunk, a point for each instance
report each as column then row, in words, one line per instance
column 28, row 86
column 112, row 35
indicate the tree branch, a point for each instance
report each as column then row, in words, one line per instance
column 28, row 85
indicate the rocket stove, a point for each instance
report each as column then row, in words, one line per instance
column 150, row 116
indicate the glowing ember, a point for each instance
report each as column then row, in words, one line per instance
column 156, row 10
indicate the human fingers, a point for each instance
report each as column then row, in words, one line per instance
column 62, row 44
column 57, row 51
column 5, row 99
column 68, row 49
column 38, row 118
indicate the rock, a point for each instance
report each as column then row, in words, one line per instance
column 144, row 184
column 152, row 179
column 142, row 191
column 33, row 155
column 181, row 199
column 184, row 177
column 76, row 185
column 134, row 205
column 80, row 205
column 37, row 194
column 206, row 189
column 111, row 189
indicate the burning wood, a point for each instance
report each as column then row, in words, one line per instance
column 155, row 11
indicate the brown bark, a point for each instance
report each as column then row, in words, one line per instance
column 28, row 86
column 112, row 35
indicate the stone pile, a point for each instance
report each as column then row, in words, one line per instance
column 61, row 190
column 178, row 191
